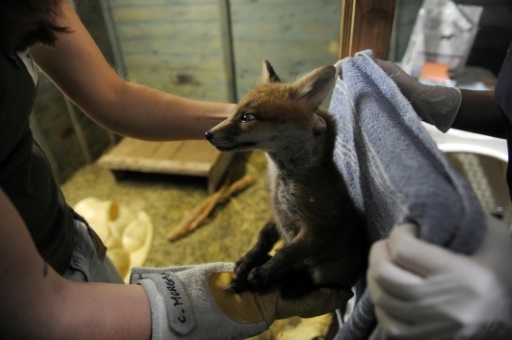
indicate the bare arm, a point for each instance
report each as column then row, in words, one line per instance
column 76, row 65
column 35, row 302
column 479, row 113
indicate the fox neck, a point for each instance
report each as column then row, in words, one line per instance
column 297, row 158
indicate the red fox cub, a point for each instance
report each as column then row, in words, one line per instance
column 325, row 242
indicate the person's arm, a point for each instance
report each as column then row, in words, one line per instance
column 36, row 302
column 76, row 65
column 169, row 303
column 479, row 113
column 446, row 107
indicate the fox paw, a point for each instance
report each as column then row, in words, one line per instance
column 243, row 267
column 239, row 285
column 260, row 281
column 245, row 264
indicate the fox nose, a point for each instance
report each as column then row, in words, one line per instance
column 208, row 135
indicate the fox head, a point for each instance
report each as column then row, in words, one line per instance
column 275, row 116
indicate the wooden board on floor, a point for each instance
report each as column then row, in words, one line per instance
column 190, row 158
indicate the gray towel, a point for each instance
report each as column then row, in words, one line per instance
column 395, row 172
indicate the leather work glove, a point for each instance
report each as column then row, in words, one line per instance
column 193, row 302
column 435, row 104
column 423, row 291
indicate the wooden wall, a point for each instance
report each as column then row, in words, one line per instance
column 183, row 47
column 296, row 36
column 177, row 45
column 174, row 46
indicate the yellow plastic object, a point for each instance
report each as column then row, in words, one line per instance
column 127, row 234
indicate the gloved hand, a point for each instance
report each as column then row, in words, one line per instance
column 193, row 302
column 423, row 291
column 435, row 104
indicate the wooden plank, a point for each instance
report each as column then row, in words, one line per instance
column 210, row 92
column 366, row 24
column 167, row 12
column 133, row 147
column 56, row 130
column 152, row 165
column 294, row 35
column 288, row 12
column 284, row 32
column 178, row 31
column 199, row 62
column 346, row 28
column 228, row 50
column 144, row 149
column 288, row 57
column 191, row 158
column 135, row 3
column 196, row 151
column 165, row 46
column 167, row 150
column 77, row 128
column 178, row 76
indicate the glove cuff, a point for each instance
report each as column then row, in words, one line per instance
column 159, row 324
column 192, row 302
column 171, row 311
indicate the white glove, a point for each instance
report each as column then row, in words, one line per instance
column 194, row 302
column 423, row 291
column 437, row 105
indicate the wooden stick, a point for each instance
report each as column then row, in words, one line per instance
column 237, row 186
column 193, row 218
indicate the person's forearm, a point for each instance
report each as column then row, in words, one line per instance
column 76, row 65
column 78, row 310
column 103, row 311
column 145, row 113
column 37, row 303
column 479, row 113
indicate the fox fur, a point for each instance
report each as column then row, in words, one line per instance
column 325, row 242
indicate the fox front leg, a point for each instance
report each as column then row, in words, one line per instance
column 258, row 255
column 287, row 268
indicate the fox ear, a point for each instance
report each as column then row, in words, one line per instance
column 314, row 87
column 269, row 75
column 318, row 124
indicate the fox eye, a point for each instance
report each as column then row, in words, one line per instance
column 247, row 117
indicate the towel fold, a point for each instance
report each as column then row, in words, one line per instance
column 395, row 172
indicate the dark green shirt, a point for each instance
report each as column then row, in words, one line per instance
column 25, row 173
column 503, row 95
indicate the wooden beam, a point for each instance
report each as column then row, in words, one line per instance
column 229, row 54
column 77, row 128
column 366, row 24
